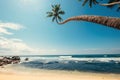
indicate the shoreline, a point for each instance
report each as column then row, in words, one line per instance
column 13, row 73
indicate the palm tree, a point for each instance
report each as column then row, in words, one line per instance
column 90, row 2
column 55, row 13
column 107, row 21
column 109, row 4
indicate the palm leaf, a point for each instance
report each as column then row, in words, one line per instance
column 50, row 14
column 53, row 19
column 95, row 2
column 52, row 6
column 85, row 1
column 61, row 12
column 90, row 3
column 59, row 18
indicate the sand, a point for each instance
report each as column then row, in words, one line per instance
column 34, row 74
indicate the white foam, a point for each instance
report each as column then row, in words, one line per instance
column 60, row 58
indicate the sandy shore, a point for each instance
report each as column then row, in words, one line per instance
column 27, row 74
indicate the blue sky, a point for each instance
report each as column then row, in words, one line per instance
column 33, row 33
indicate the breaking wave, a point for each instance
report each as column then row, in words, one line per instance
column 106, row 65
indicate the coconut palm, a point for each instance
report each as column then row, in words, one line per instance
column 109, row 4
column 107, row 21
column 55, row 13
column 90, row 2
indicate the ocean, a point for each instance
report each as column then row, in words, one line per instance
column 98, row 63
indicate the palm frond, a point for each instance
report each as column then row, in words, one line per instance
column 53, row 19
column 90, row 3
column 52, row 6
column 85, row 1
column 95, row 2
column 61, row 12
column 50, row 14
column 59, row 18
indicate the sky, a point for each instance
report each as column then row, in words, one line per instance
column 25, row 29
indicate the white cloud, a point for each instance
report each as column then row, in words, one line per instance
column 12, row 45
column 5, row 26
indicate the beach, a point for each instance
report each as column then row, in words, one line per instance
column 12, row 73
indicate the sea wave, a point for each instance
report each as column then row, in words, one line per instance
column 107, row 65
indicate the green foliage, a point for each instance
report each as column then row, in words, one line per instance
column 94, row 2
column 55, row 13
column 90, row 2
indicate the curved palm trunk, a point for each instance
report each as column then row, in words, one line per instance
column 107, row 21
